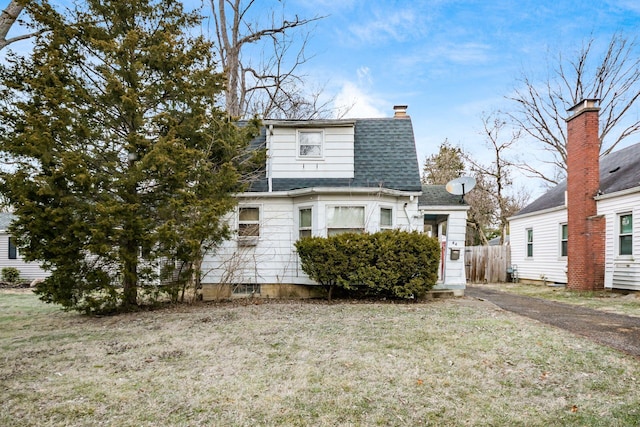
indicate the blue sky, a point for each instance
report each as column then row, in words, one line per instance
column 448, row 60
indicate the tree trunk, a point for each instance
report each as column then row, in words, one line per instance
column 7, row 19
column 130, row 282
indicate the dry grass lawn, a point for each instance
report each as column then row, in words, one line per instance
column 447, row 363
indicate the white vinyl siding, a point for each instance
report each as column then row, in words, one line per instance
column 28, row 270
column 621, row 271
column 274, row 260
column 271, row 260
column 336, row 160
column 547, row 259
column 454, row 271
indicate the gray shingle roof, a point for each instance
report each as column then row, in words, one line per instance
column 384, row 156
column 5, row 220
column 619, row 170
column 437, row 195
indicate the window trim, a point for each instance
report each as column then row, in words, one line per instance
column 620, row 235
column 299, row 144
column 346, row 229
column 251, row 239
column 529, row 242
column 12, row 248
column 564, row 243
column 385, row 226
column 305, row 228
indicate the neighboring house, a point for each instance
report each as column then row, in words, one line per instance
column 582, row 232
column 10, row 256
column 324, row 177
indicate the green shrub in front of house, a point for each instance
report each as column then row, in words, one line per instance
column 10, row 274
column 389, row 263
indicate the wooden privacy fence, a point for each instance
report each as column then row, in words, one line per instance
column 487, row 264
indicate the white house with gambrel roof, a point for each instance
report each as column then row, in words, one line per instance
column 324, row 177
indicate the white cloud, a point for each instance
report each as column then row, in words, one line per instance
column 397, row 25
column 358, row 99
column 626, row 4
column 360, row 102
column 364, row 75
column 467, row 53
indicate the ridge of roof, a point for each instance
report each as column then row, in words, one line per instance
column 619, row 170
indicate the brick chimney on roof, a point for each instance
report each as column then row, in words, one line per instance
column 400, row 111
column 586, row 229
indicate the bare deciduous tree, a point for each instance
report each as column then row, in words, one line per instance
column 613, row 78
column 8, row 17
column 493, row 202
column 272, row 86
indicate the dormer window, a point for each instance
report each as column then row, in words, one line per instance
column 310, row 144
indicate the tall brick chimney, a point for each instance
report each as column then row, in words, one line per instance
column 585, row 261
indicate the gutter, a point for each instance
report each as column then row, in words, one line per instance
column 331, row 190
column 534, row 213
column 618, row 193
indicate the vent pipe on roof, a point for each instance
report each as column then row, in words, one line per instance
column 400, row 111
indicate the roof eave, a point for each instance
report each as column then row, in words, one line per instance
column 331, row 190
column 618, row 193
column 310, row 123
column 541, row 211
column 448, row 208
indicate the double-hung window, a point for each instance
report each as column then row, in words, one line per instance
column 529, row 232
column 310, row 144
column 625, row 234
column 386, row 218
column 564, row 240
column 248, row 225
column 13, row 249
column 305, row 221
column 343, row 219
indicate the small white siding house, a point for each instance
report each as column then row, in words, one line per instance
column 538, row 251
column 539, row 237
column 10, row 255
column 324, row 177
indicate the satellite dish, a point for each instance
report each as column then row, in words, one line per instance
column 461, row 186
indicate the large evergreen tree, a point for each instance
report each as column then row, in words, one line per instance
column 115, row 157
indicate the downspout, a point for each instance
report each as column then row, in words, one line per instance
column 408, row 217
column 268, row 142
